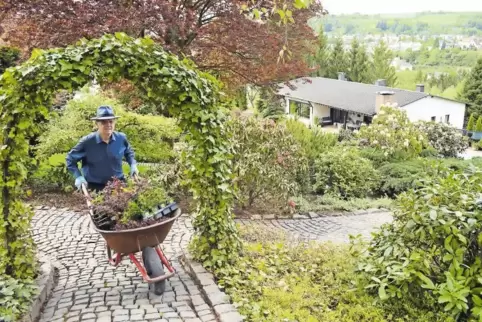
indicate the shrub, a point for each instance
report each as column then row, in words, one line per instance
column 328, row 203
column 477, row 145
column 447, row 140
column 429, row 152
column 471, row 123
column 51, row 174
column 267, row 161
column 151, row 136
column 375, row 155
column 346, row 135
column 392, row 133
column 268, row 104
column 313, row 141
column 398, row 177
column 9, row 56
column 433, row 247
column 169, row 175
column 344, row 173
column 274, row 282
column 15, row 298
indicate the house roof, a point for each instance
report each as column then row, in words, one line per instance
column 344, row 95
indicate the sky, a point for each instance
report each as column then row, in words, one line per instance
column 399, row 6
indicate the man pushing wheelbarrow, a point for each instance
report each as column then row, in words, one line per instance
column 101, row 154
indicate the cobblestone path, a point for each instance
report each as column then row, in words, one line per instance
column 90, row 290
column 336, row 229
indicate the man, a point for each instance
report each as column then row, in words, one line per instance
column 101, row 153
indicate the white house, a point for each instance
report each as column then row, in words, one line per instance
column 324, row 101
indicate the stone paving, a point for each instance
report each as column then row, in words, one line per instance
column 336, row 229
column 90, row 290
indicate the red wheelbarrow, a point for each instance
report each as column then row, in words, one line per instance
column 146, row 240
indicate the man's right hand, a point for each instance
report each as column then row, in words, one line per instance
column 79, row 181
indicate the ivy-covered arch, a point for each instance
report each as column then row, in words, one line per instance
column 26, row 92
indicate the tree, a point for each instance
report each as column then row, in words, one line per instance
column 420, row 77
column 478, row 125
column 471, row 123
column 382, row 25
column 268, row 106
column 320, row 59
column 472, row 92
column 337, row 60
column 215, row 34
column 382, row 58
column 231, row 49
column 358, row 63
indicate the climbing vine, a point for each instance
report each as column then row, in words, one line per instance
column 26, row 91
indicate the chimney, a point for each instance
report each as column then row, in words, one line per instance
column 381, row 82
column 383, row 98
column 420, row 88
column 341, row 76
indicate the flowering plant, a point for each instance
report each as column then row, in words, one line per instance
column 447, row 140
column 392, row 132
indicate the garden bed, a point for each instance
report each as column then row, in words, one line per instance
column 275, row 280
column 45, row 282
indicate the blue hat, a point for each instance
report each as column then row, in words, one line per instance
column 105, row 113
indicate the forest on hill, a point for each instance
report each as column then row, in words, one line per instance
column 427, row 23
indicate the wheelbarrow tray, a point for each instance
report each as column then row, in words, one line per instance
column 134, row 240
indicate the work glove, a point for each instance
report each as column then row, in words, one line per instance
column 134, row 170
column 79, row 181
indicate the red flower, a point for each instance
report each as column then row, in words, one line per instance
column 292, row 204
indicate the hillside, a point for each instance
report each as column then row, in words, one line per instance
column 429, row 23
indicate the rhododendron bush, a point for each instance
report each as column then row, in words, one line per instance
column 447, row 140
column 392, row 132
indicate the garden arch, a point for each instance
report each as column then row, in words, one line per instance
column 26, row 91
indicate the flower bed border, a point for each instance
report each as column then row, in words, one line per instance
column 220, row 302
column 313, row 214
column 45, row 282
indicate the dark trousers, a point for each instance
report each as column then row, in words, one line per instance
column 96, row 187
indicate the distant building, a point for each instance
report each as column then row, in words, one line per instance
column 401, row 64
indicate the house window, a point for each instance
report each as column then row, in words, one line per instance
column 434, row 118
column 300, row 109
column 447, row 119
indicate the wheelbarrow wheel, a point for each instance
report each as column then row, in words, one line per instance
column 154, row 268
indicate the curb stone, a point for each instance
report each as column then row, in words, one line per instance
column 220, row 301
column 45, row 282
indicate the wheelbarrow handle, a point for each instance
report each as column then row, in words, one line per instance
column 86, row 194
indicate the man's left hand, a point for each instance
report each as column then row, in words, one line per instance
column 134, row 170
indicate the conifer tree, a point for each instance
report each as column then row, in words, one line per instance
column 382, row 69
column 358, row 63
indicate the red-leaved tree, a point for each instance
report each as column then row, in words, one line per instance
column 214, row 33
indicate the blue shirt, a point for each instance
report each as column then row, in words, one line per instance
column 100, row 161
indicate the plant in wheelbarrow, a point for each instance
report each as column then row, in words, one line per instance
column 127, row 210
